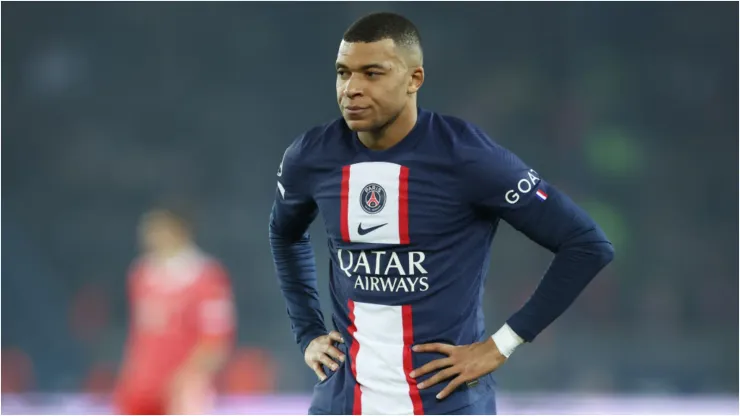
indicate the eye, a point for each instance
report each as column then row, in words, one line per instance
column 373, row 74
column 341, row 73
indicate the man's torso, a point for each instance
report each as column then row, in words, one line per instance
column 408, row 258
column 164, row 319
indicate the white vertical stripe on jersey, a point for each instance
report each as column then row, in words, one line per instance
column 386, row 175
column 379, row 362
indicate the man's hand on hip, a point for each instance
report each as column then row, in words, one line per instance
column 465, row 363
column 322, row 351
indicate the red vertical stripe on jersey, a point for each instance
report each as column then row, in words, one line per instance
column 403, row 205
column 353, row 350
column 344, row 211
column 408, row 362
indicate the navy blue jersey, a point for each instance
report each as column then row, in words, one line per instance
column 409, row 231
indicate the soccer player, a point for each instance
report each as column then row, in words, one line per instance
column 411, row 201
column 182, row 321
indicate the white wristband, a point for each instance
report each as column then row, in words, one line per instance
column 506, row 340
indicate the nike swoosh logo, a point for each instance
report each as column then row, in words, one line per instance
column 363, row 231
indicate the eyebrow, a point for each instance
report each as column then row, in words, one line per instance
column 364, row 67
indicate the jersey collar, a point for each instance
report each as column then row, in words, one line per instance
column 405, row 145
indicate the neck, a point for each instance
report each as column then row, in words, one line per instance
column 390, row 134
column 170, row 252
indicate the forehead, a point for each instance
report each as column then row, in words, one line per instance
column 357, row 54
column 157, row 218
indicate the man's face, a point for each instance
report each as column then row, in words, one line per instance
column 373, row 83
column 159, row 231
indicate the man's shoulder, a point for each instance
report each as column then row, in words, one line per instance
column 315, row 140
column 214, row 271
column 333, row 129
column 463, row 137
column 455, row 124
column 476, row 155
column 138, row 266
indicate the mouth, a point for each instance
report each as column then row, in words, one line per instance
column 354, row 110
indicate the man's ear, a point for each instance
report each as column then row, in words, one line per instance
column 417, row 79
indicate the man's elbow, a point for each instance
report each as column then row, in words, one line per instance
column 605, row 252
column 592, row 241
column 594, row 244
column 273, row 228
column 285, row 233
column 277, row 233
column 599, row 245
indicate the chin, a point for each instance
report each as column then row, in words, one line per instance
column 360, row 125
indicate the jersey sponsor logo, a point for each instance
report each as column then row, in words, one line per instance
column 392, row 284
column 364, row 231
column 372, row 198
column 523, row 187
column 385, row 271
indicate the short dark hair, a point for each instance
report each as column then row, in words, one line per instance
column 384, row 25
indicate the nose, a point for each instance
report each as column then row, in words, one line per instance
column 352, row 87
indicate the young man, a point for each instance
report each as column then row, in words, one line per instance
column 411, row 201
column 182, row 321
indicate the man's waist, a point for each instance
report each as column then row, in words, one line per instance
column 383, row 396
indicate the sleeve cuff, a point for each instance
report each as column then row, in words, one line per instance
column 306, row 339
column 506, row 340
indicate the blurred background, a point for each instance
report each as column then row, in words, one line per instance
column 630, row 108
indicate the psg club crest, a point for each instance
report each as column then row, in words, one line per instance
column 372, row 198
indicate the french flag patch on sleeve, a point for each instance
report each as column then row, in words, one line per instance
column 541, row 194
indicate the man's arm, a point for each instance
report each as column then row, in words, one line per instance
column 509, row 189
column 216, row 322
column 215, row 319
column 499, row 185
column 132, row 277
column 292, row 212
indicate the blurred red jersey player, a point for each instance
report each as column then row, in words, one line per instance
column 182, row 322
